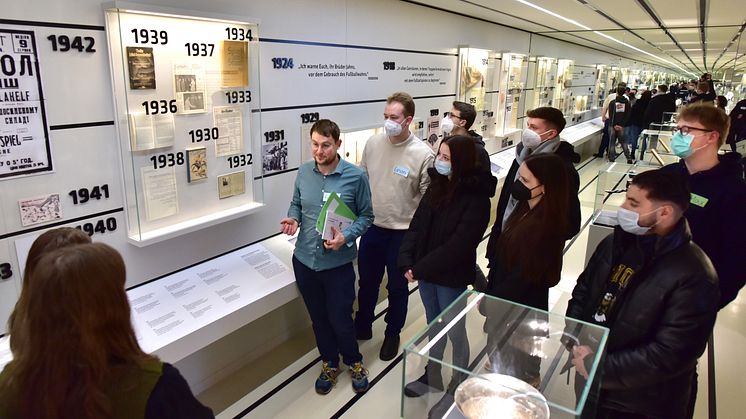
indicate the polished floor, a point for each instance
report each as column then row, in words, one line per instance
column 280, row 384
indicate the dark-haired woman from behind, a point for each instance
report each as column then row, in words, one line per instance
column 439, row 249
column 75, row 353
column 527, row 260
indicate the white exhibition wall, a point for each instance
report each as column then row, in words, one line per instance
column 356, row 34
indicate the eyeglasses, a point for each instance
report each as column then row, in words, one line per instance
column 685, row 129
column 455, row 116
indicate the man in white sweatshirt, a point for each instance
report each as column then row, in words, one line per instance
column 396, row 163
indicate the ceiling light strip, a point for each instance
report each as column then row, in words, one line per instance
column 645, row 6
column 730, row 44
column 703, row 7
column 580, row 25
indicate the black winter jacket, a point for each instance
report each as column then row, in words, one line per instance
column 737, row 123
column 660, row 326
column 568, row 154
column 483, row 158
column 657, row 107
column 719, row 226
column 441, row 244
column 638, row 113
column 621, row 116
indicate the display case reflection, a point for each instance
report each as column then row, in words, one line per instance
column 517, row 357
column 563, row 95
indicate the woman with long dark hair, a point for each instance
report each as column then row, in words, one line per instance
column 527, row 262
column 75, row 354
column 528, row 257
column 439, row 249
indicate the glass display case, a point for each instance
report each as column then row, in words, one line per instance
column 478, row 86
column 546, row 73
column 188, row 119
column 601, row 86
column 513, row 75
column 563, row 94
column 353, row 142
column 510, row 361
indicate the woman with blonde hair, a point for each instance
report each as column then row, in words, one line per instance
column 75, row 354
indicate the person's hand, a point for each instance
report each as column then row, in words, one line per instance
column 618, row 128
column 579, row 353
column 338, row 239
column 409, row 275
column 288, row 226
column 603, row 118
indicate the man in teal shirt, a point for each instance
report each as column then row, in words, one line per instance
column 323, row 268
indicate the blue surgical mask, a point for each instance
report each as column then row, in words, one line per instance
column 443, row 167
column 682, row 144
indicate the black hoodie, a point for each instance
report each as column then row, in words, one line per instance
column 717, row 218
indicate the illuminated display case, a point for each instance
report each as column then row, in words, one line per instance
column 601, row 86
column 478, row 86
column 513, row 75
column 563, row 95
column 187, row 102
column 546, row 74
column 353, row 142
column 511, row 362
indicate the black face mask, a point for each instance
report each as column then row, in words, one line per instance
column 521, row 192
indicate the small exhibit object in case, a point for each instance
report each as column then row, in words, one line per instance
column 40, row 209
column 197, row 160
column 141, row 67
column 231, row 184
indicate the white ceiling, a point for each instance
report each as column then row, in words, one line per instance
column 675, row 34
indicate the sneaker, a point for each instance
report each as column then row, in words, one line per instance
column 359, row 378
column 390, row 348
column 327, row 379
column 431, row 381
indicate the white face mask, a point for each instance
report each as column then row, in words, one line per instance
column 629, row 221
column 447, row 124
column 392, row 128
column 531, row 139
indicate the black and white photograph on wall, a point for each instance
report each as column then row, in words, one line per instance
column 197, row 159
column 193, row 102
column 185, row 83
column 433, row 129
column 275, row 157
column 189, row 87
column 24, row 139
column 141, row 65
column 40, row 209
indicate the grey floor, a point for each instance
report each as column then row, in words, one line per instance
column 297, row 399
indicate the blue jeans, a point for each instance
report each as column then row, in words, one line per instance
column 632, row 133
column 329, row 295
column 437, row 298
column 379, row 250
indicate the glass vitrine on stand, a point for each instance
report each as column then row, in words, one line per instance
column 509, row 361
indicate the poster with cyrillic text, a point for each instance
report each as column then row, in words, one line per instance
column 24, row 140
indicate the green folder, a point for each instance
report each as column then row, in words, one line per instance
column 340, row 208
